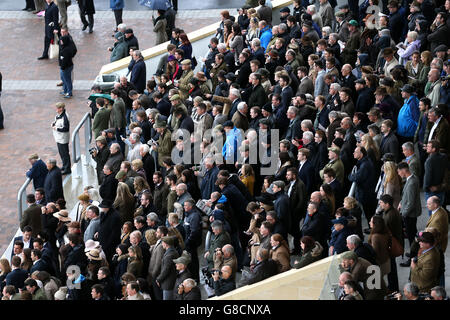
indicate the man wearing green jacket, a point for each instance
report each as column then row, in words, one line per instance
column 120, row 49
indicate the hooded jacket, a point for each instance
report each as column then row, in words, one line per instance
column 66, row 53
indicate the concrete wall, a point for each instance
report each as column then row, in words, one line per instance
column 296, row 284
column 199, row 39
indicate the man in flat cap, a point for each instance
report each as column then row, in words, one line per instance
column 186, row 77
column 37, row 172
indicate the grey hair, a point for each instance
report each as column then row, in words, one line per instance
column 152, row 216
column 138, row 53
column 440, row 292
column 408, row 145
column 311, row 8
column 122, row 26
column 327, row 30
column 52, row 161
column 307, row 123
column 182, row 186
column 412, row 288
column 309, row 135
column 439, row 64
column 235, row 92
column 221, row 46
column 137, row 234
column 293, row 109
column 145, row 148
column 354, row 239
column 333, row 114
column 256, row 42
column 335, row 36
column 134, row 136
column 241, row 105
column 335, row 86
column 229, row 249
column 217, row 224
column 191, row 283
column 282, row 26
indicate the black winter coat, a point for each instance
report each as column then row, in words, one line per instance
column 53, row 185
column 108, row 188
column 87, row 7
column 51, row 19
column 138, row 75
column 66, row 53
column 263, row 270
column 109, row 232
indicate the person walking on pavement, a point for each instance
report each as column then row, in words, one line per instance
column 51, row 26
column 61, row 134
column 62, row 7
column 117, row 7
column 87, row 8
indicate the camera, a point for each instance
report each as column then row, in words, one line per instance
column 391, row 296
column 208, row 276
column 92, row 150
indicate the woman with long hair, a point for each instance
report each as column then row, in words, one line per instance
column 372, row 149
column 390, row 183
column 379, row 240
column 178, row 169
column 174, row 71
column 135, row 264
column 425, row 57
column 186, row 46
column 354, row 209
column 140, row 186
column 279, row 252
column 188, row 178
column 327, row 193
column 5, row 268
column 227, row 32
column 247, row 176
column 179, row 243
column 124, row 202
column 285, row 163
column 138, row 166
column 252, row 31
column 311, row 252
column 27, row 263
column 237, row 41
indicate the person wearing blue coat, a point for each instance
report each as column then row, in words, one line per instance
column 408, row 116
column 117, row 7
column 265, row 35
column 17, row 276
column 138, row 72
column 37, row 172
column 338, row 242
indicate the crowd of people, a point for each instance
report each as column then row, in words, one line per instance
column 193, row 187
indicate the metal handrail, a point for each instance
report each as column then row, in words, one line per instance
column 76, row 152
column 21, row 200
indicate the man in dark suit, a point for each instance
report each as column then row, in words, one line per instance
column 110, row 228
column 26, row 238
column 329, row 177
column 363, row 175
column 108, row 188
column 306, row 170
column 389, row 142
column 37, row 172
column 434, row 175
column 167, row 277
column 51, row 26
column 296, row 192
column 53, row 182
column 31, row 216
column 17, row 276
column 38, row 263
column 365, row 99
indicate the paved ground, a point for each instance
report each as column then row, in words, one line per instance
column 133, row 5
column 29, row 88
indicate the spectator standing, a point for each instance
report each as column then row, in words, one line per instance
column 61, row 128
column 37, row 172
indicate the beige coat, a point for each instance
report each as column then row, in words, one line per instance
column 439, row 220
column 183, row 84
column 425, row 273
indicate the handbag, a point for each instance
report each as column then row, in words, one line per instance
column 54, row 48
column 395, row 248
